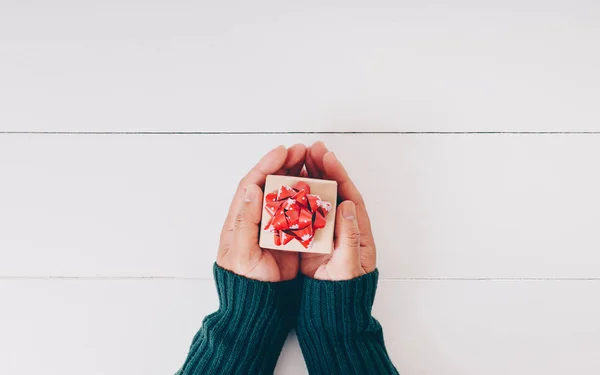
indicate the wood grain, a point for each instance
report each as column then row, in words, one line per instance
column 70, row 327
column 442, row 206
column 513, row 65
column 487, row 243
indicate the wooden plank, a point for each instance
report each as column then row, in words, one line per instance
column 268, row 66
column 431, row 327
column 449, row 206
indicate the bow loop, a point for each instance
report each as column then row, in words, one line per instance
column 295, row 214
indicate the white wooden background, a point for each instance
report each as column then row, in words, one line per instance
column 125, row 126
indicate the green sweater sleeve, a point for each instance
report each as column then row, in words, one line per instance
column 246, row 334
column 336, row 331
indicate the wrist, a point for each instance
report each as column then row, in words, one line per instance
column 336, row 330
column 325, row 304
column 248, row 330
column 241, row 294
column 338, row 274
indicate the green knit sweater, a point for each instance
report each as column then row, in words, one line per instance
column 333, row 320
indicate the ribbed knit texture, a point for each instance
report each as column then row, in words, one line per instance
column 246, row 334
column 336, row 331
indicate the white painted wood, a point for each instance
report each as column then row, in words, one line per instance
column 68, row 327
column 442, row 205
column 319, row 65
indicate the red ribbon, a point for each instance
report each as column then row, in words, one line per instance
column 295, row 213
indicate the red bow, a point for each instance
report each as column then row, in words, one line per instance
column 295, row 213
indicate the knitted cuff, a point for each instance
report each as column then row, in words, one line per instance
column 246, row 334
column 248, row 300
column 339, row 305
column 336, row 331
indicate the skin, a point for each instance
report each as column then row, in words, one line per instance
column 354, row 247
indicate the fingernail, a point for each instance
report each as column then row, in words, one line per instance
column 321, row 142
column 249, row 194
column 349, row 211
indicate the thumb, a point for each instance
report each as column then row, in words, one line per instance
column 247, row 219
column 346, row 255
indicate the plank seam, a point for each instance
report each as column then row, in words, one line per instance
column 16, row 278
column 292, row 132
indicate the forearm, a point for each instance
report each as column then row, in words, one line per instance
column 246, row 334
column 336, row 331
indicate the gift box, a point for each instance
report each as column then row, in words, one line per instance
column 298, row 214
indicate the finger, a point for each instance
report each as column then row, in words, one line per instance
column 310, row 166
column 314, row 159
column 294, row 161
column 269, row 164
column 336, row 171
column 348, row 191
column 347, row 236
column 247, row 219
column 272, row 162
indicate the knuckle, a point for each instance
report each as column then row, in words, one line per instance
column 352, row 237
column 239, row 221
column 359, row 200
column 241, row 185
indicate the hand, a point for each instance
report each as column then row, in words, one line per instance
column 238, row 249
column 354, row 246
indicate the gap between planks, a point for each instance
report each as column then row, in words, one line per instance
column 292, row 132
column 177, row 278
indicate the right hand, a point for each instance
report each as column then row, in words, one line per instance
column 354, row 251
column 238, row 248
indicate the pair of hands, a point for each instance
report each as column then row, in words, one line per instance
column 354, row 247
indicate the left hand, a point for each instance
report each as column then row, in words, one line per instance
column 238, row 249
column 354, row 251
